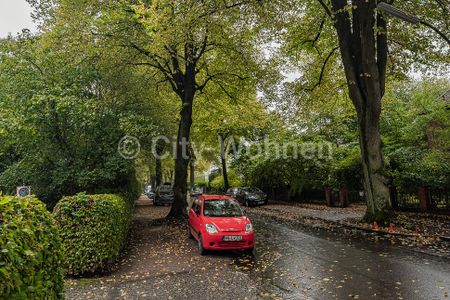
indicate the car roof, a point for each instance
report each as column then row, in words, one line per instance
column 214, row 197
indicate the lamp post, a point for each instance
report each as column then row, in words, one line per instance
column 396, row 12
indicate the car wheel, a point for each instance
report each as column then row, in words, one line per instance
column 201, row 250
column 190, row 233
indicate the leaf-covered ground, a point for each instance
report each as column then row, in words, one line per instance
column 302, row 252
column 161, row 262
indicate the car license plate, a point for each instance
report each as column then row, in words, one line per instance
column 233, row 238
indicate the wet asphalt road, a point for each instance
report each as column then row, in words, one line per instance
column 296, row 263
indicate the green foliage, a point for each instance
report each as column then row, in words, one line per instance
column 283, row 165
column 201, row 183
column 346, row 169
column 416, row 127
column 30, row 254
column 63, row 115
column 233, row 180
column 415, row 167
column 93, row 230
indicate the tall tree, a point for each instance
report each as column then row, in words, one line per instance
column 361, row 36
column 187, row 45
column 192, row 45
column 223, row 125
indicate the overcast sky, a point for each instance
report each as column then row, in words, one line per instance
column 14, row 16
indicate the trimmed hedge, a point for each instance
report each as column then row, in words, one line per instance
column 93, row 230
column 30, row 251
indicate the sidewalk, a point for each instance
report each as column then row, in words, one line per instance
column 161, row 262
column 318, row 211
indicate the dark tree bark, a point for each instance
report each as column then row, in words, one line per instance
column 192, row 174
column 192, row 168
column 223, row 160
column 158, row 163
column 185, row 86
column 364, row 55
column 158, row 172
column 226, row 185
column 182, row 153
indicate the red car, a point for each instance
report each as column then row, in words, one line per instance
column 219, row 223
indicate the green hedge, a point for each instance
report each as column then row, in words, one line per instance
column 30, row 251
column 93, row 230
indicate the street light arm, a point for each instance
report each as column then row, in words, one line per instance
column 436, row 30
column 396, row 12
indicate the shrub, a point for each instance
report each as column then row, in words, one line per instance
column 30, row 254
column 93, row 230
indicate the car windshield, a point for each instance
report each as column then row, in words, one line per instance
column 222, row 208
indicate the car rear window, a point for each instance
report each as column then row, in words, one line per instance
column 165, row 189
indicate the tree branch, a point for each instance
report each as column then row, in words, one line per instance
column 154, row 58
column 326, row 8
column 211, row 77
column 202, row 50
column 436, row 30
column 322, row 71
column 168, row 77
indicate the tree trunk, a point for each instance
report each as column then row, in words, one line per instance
column 192, row 174
column 364, row 56
column 158, row 172
column 225, row 174
column 328, row 197
column 223, row 159
column 376, row 188
column 182, row 153
column 158, row 163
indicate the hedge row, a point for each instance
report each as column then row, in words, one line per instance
column 30, row 251
column 93, row 229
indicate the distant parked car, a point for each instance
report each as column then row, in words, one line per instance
column 251, row 196
column 219, row 223
column 196, row 192
column 164, row 194
column 232, row 192
column 148, row 192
